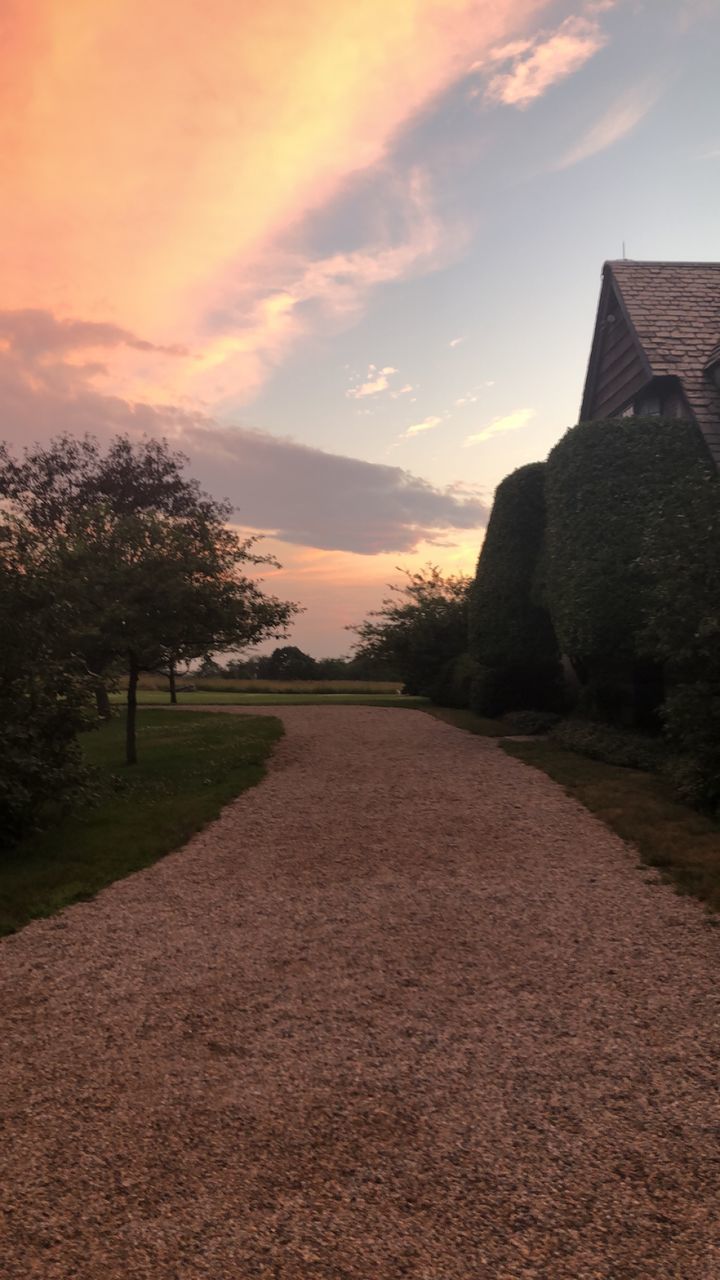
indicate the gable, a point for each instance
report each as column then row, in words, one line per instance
column 618, row 368
column 658, row 321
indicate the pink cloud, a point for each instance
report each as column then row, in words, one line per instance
column 536, row 66
column 156, row 158
column 298, row 494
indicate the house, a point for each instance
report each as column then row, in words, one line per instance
column 656, row 346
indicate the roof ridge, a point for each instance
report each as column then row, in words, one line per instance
column 658, row 262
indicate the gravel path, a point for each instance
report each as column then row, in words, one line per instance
column 405, row 1010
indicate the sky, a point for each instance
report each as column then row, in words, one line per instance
column 344, row 256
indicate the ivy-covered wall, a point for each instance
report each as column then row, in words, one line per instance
column 511, row 636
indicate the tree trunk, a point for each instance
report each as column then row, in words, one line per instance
column 130, row 726
column 171, row 679
column 102, row 701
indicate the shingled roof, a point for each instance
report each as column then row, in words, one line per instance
column 674, row 310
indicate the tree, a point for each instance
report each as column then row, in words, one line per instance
column 419, row 629
column 155, row 574
column 288, row 663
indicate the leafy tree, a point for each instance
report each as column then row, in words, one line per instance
column 418, row 629
column 287, row 663
column 155, row 574
column 209, row 669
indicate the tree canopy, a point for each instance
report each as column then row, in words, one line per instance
column 287, row 663
column 153, row 573
column 418, row 629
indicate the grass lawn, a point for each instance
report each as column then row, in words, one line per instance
column 189, row 767
column 204, row 698
column 681, row 843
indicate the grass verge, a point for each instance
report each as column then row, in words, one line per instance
column 189, row 767
column 682, row 844
column 203, row 698
column 463, row 719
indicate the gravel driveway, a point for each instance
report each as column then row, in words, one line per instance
column 405, row 1010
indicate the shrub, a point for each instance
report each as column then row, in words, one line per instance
column 44, row 692
column 692, row 717
column 453, row 685
column 511, row 636
column 42, row 771
column 610, row 744
column 530, row 722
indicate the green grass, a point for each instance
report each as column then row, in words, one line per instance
column 682, row 844
column 203, row 698
column 189, row 767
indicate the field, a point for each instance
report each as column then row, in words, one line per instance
column 210, row 685
column 189, row 767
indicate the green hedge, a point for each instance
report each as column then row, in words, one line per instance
column 609, row 484
column 605, row 481
column 681, row 555
column 511, row 636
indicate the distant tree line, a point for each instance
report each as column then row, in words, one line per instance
column 288, row 662
column 111, row 563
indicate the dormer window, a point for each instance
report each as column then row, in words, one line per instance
column 648, row 405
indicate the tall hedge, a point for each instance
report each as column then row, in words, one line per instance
column 681, row 553
column 605, row 482
column 608, row 485
column 512, row 640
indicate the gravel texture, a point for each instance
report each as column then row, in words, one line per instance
column 404, row 1010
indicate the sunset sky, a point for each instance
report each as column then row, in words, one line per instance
column 345, row 255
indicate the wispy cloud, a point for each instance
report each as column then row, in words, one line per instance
column 510, row 422
column 471, row 397
column 417, row 428
column 293, row 296
column 377, row 380
column 615, row 124
column 536, row 65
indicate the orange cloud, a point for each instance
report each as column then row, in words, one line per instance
column 152, row 151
